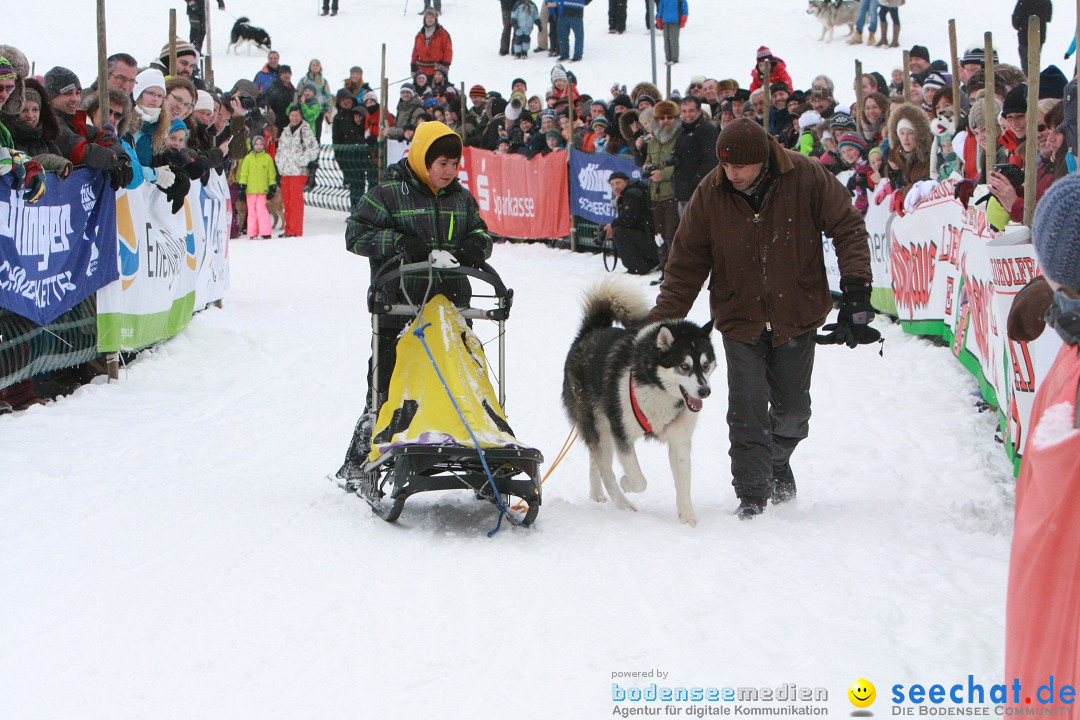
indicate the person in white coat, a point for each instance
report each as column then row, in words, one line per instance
column 297, row 147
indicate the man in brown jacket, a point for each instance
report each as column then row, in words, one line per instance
column 753, row 228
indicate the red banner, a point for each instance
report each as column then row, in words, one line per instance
column 518, row 197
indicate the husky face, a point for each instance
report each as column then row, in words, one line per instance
column 686, row 360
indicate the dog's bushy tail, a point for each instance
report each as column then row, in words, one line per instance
column 612, row 301
column 243, row 19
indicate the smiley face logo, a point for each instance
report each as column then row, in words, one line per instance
column 862, row 693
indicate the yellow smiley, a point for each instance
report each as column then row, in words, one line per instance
column 862, row 693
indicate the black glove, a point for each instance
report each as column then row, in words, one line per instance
column 271, row 192
column 120, row 171
column 179, row 189
column 241, row 189
column 415, row 249
column 471, row 252
column 852, row 326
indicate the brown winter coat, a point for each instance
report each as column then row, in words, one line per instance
column 765, row 270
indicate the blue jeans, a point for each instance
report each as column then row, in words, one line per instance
column 866, row 6
column 577, row 24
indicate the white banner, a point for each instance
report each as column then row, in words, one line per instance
column 163, row 257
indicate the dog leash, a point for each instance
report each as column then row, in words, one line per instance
column 567, row 444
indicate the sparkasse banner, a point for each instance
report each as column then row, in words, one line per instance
column 519, row 197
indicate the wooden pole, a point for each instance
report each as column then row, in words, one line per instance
column 858, row 96
column 990, row 108
column 208, row 60
column 102, row 71
column 668, row 67
column 464, row 108
column 650, row 8
column 1031, row 144
column 172, row 42
column 383, row 99
column 907, row 76
column 955, row 57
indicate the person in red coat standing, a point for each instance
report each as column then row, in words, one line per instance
column 432, row 46
column 1042, row 627
column 778, row 70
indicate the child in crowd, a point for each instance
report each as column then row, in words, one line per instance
column 853, row 152
column 523, row 17
column 258, row 181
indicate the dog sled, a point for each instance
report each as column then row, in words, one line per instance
column 442, row 425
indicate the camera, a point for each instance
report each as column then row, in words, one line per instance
column 247, row 102
column 648, row 169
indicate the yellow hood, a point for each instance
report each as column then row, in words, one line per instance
column 425, row 135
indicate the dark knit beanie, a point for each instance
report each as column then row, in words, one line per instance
column 618, row 175
column 1052, row 83
column 920, row 51
column 1056, row 232
column 743, row 142
column 842, row 121
column 1015, row 101
column 60, row 80
column 624, row 100
column 445, row 146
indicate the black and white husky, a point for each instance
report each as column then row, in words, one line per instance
column 622, row 384
column 244, row 33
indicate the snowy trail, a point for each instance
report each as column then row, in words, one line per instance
column 174, row 549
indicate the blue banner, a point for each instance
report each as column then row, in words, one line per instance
column 590, row 194
column 59, row 250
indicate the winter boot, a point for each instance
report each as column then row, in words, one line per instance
column 895, row 36
column 784, row 489
column 749, row 507
column 870, row 38
column 884, row 41
column 351, row 471
column 855, row 39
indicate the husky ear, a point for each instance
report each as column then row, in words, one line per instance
column 708, row 327
column 664, row 338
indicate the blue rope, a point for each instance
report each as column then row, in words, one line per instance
column 419, row 332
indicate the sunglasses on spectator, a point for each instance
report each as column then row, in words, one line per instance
column 185, row 105
column 697, row 86
column 5, row 87
column 1041, row 127
column 661, row 118
column 122, row 79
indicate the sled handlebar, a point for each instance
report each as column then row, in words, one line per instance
column 386, row 280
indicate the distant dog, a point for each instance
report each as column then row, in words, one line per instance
column 833, row 14
column 620, row 385
column 243, row 33
column 943, row 128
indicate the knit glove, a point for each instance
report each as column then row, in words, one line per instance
column 682, row 21
column 178, row 191
column 471, row 252
column 5, row 161
column 414, row 248
column 884, row 189
column 659, row 24
column 165, row 178
column 963, row 191
column 271, row 192
column 852, row 326
column 119, row 170
column 33, row 180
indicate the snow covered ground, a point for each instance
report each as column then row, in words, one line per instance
column 172, row 548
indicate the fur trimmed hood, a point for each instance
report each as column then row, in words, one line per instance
column 924, row 137
column 627, row 119
column 646, row 88
column 50, row 126
column 22, row 70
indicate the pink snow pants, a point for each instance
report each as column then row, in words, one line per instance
column 258, row 217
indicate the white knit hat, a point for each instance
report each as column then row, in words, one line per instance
column 809, row 119
column 204, row 102
column 148, row 78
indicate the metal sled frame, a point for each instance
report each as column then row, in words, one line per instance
column 406, row 470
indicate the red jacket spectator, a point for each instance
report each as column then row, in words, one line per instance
column 779, row 71
column 432, row 46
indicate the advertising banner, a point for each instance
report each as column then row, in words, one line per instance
column 519, row 197
column 590, row 194
column 212, row 240
column 56, row 252
column 155, row 295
